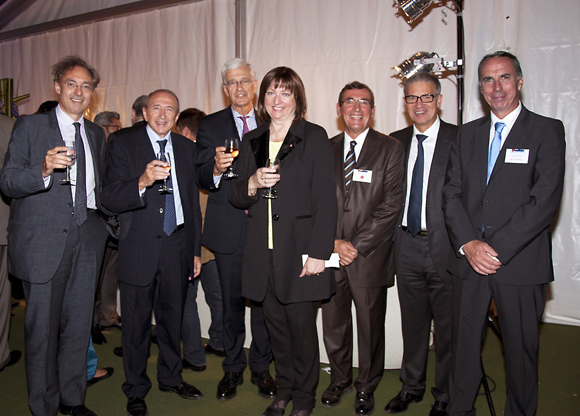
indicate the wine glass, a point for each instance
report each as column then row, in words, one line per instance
column 272, row 163
column 164, row 157
column 232, row 147
column 71, row 153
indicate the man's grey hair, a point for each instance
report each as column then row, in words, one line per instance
column 104, row 118
column 500, row 54
column 69, row 62
column 236, row 63
column 139, row 103
column 423, row 77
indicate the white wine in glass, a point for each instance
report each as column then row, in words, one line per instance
column 232, row 146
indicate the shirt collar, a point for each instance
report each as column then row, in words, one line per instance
column 251, row 114
column 431, row 131
column 508, row 120
column 64, row 119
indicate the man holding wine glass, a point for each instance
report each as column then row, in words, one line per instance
column 225, row 228
column 56, row 239
column 151, row 175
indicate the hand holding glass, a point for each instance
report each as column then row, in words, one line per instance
column 164, row 157
column 231, row 145
column 272, row 163
column 71, row 153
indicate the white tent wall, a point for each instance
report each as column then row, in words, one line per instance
column 329, row 43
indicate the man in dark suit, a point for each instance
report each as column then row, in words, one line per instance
column 225, row 229
column 502, row 189
column 422, row 246
column 56, row 239
column 369, row 176
column 159, row 244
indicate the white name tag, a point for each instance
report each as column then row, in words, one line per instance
column 362, row 175
column 517, row 155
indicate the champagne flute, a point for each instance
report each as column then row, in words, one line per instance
column 71, row 153
column 164, row 157
column 272, row 163
column 232, row 147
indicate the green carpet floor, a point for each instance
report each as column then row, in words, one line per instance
column 558, row 392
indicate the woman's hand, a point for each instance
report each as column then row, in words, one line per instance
column 312, row 267
column 263, row 178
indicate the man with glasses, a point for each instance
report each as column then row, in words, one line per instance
column 225, row 229
column 110, row 121
column 369, row 177
column 56, row 239
column 422, row 246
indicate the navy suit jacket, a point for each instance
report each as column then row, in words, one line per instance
column 140, row 241
column 439, row 244
column 518, row 203
column 40, row 217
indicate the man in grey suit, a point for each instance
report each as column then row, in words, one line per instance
column 502, row 190
column 370, row 196
column 422, row 246
column 56, row 239
column 7, row 357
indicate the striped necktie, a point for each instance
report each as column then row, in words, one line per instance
column 246, row 128
column 349, row 165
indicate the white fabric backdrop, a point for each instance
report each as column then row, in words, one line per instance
column 329, row 43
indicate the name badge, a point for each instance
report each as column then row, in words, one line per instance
column 362, row 175
column 517, row 155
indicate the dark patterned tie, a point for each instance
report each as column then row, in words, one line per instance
column 246, row 128
column 80, row 208
column 170, row 217
column 349, row 165
column 416, row 194
column 494, row 148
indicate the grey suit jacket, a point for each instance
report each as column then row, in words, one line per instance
column 6, row 124
column 368, row 214
column 439, row 244
column 40, row 217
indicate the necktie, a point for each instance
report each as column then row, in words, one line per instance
column 349, row 165
column 170, row 217
column 80, row 208
column 416, row 195
column 494, row 148
column 246, row 128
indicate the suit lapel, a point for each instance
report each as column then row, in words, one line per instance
column 480, row 150
column 439, row 165
column 260, row 146
column 367, row 152
column 338, row 148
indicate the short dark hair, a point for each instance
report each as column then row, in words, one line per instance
column 283, row 77
column 423, row 76
column 46, row 106
column 104, row 118
column 139, row 103
column 190, row 118
column 355, row 85
column 168, row 92
column 71, row 61
column 500, row 54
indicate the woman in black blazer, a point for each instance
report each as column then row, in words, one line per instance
column 301, row 220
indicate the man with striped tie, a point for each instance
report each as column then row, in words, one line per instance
column 369, row 170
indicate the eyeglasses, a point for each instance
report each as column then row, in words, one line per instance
column 425, row 98
column 113, row 126
column 87, row 87
column 351, row 102
column 234, row 84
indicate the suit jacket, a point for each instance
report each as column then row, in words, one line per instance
column 140, row 241
column 439, row 244
column 6, row 124
column 516, row 206
column 303, row 215
column 368, row 214
column 219, row 235
column 40, row 217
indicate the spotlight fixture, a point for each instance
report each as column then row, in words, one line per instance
column 414, row 64
column 412, row 8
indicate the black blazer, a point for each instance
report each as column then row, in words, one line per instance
column 40, row 217
column 439, row 244
column 368, row 214
column 516, row 206
column 303, row 215
column 140, row 242
column 223, row 223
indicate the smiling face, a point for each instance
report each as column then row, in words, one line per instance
column 500, row 85
column 423, row 114
column 161, row 112
column 280, row 104
column 75, row 90
column 240, row 89
column 356, row 111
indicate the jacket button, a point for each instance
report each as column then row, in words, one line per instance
column 161, row 210
column 275, row 217
column 274, row 191
column 65, row 231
